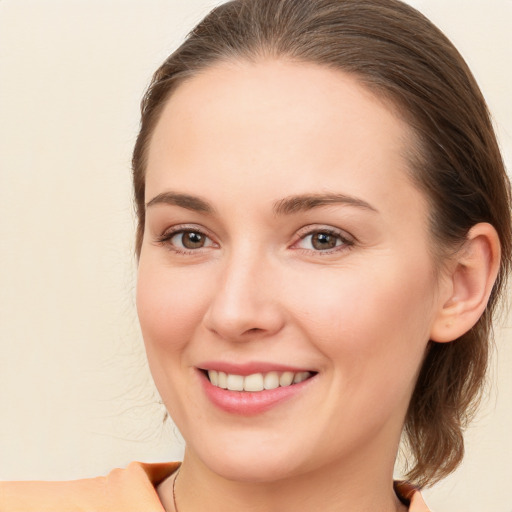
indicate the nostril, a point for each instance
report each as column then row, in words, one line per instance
column 243, row 321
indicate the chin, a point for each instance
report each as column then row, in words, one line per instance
column 256, row 464
column 259, row 470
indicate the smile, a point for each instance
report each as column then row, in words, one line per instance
column 256, row 381
column 245, row 391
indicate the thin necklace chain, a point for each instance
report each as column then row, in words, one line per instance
column 174, row 491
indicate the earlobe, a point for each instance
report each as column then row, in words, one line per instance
column 468, row 284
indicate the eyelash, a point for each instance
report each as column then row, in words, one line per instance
column 165, row 239
column 346, row 242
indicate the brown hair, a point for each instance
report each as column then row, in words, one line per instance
column 399, row 54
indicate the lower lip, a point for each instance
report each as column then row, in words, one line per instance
column 246, row 403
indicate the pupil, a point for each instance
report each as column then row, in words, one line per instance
column 323, row 241
column 193, row 240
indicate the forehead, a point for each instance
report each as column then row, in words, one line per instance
column 280, row 122
column 276, row 95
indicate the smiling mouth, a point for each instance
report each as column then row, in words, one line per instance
column 256, row 381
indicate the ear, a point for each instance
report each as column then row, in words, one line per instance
column 467, row 284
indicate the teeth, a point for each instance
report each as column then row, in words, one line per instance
column 301, row 376
column 222, row 377
column 256, row 381
column 286, row 378
column 271, row 380
column 214, row 377
column 235, row 382
column 253, row 382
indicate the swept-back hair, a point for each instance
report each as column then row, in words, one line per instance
column 397, row 53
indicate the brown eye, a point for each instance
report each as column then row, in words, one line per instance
column 186, row 240
column 324, row 241
column 192, row 239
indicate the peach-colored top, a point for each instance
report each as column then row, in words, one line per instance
column 123, row 490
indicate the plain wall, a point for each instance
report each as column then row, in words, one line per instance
column 76, row 398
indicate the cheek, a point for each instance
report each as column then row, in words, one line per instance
column 170, row 307
column 360, row 317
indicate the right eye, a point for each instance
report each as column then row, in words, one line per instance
column 186, row 240
column 189, row 240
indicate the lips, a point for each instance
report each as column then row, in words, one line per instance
column 256, row 382
column 244, row 390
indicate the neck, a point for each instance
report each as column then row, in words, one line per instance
column 330, row 489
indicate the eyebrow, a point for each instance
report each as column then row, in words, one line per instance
column 183, row 200
column 303, row 202
column 286, row 206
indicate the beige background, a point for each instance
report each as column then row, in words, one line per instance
column 75, row 395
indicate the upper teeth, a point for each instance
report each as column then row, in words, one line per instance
column 256, row 381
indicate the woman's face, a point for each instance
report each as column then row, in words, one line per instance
column 284, row 240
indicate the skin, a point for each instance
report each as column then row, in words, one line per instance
column 243, row 137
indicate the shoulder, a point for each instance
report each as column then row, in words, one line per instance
column 129, row 489
column 412, row 496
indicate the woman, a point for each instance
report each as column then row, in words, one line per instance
column 323, row 234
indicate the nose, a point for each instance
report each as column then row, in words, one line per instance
column 245, row 304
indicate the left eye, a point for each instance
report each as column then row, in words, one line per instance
column 321, row 241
